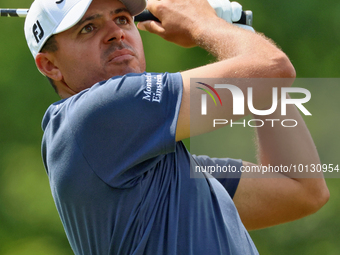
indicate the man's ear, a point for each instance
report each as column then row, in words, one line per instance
column 45, row 64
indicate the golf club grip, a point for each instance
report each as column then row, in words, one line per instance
column 246, row 17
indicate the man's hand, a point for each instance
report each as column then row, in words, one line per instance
column 178, row 19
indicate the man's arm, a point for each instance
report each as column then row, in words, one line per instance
column 241, row 54
column 274, row 198
column 261, row 202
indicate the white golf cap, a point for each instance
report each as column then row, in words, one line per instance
column 48, row 17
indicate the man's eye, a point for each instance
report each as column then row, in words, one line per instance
column 122, row 20
column 87, row 29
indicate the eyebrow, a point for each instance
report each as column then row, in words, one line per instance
column 97, row 16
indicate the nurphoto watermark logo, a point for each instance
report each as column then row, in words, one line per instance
column 239, row 101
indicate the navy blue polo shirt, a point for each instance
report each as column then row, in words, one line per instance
column 120, row 181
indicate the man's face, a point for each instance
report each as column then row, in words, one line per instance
column 103, row 44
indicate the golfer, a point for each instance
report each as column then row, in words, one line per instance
column 118, row 171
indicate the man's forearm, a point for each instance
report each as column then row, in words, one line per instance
column 228, row 42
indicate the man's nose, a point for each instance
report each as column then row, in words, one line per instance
column 114, row 32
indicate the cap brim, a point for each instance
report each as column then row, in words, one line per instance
column 73, row 16
column 79, row 10
column 134, row 7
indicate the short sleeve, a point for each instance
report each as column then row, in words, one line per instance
column 226, row 170
column 124, row 125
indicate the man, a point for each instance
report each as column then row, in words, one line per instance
column 119, row 173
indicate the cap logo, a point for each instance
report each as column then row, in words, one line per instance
column 59, row 2
column 38, row 32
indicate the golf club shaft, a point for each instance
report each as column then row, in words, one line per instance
column 22, row 13
column 246, row 18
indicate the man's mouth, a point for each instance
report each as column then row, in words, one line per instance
column 121, row 55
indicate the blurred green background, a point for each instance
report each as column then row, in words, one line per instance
column 308, row 31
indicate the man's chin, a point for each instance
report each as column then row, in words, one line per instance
column 126, row 69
